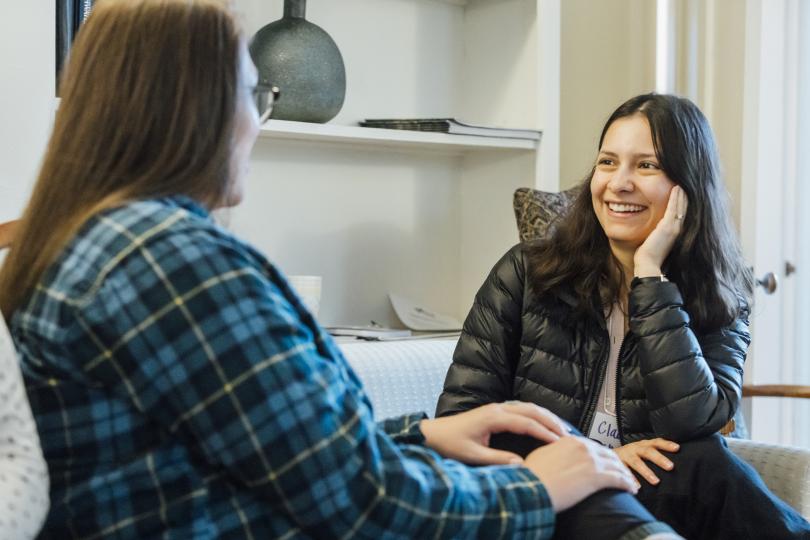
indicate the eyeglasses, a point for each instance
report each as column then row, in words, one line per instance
column 265, row 96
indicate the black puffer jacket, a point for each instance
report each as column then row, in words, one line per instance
column 672, row 382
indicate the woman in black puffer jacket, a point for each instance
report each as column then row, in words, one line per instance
column 631, row 322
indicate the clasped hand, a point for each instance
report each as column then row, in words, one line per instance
column 465, row 437
column 570, row 467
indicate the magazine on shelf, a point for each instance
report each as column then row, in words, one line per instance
column 420, row 336
column 421, row 323
column 375, row 332
column 450, row 125
column 415, row 336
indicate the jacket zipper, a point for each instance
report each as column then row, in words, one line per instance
column 587, row 417
column 618, row 390
column 589, row 411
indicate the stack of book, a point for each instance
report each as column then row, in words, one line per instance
column 420, row 323
column 377, row 333
column 450, row 125
column 371, row 332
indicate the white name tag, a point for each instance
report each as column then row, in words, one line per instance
column 605, row 430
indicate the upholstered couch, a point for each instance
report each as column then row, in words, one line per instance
column 407, row 376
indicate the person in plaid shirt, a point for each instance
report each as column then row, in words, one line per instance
column 180, row 387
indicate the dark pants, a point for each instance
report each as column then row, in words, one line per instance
column 713, row 494
column 609, row 514
column 710, row 494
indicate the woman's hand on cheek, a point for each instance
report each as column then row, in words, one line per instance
column 650, row 255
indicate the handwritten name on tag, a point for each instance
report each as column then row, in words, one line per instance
column 605, row 430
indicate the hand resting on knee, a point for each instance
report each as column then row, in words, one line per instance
column 571, row 467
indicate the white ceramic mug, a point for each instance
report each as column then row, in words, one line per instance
column 309, row 289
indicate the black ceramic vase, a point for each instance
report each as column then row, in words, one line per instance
column 304, row 62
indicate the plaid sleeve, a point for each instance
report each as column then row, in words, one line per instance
column 209, row 343
column 405, row 429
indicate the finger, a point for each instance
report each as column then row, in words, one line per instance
column 677, row 200
column 522, row 425
column 654, row 456
column 483, row 455
column 663, row 444
column 618, row 479
column 641, row 468
column 671, row 211
column 540, row 414
column 616, row 461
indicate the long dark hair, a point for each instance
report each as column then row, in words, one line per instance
column 148, row 106
column 706, row 261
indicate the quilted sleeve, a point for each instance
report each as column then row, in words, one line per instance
column 693, row 383
column 486, row 354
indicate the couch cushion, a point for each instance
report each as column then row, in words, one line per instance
column 536, row 210
column 401, row 377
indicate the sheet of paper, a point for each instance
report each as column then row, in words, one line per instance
column 421, row 318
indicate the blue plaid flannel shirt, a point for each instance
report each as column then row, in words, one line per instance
column 182, row 391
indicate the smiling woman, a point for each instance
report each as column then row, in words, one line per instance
column 630, row 191
column 657, row 153
column 631, row 322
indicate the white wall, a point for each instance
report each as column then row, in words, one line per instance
column 368, row 223
column 398, row 226
column 724, row 107
column 608, row 56
column 421, row 41
column 27, row 90
column 800, row 253
column 710, row 71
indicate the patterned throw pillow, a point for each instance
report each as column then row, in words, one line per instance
column 537, row 210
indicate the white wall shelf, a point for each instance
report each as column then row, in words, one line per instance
column 422, row 214
column 390, row 138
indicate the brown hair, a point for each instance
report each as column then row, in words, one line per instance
column 148, row 102
column 706, row 261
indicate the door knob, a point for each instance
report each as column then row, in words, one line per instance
column 768, row 282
